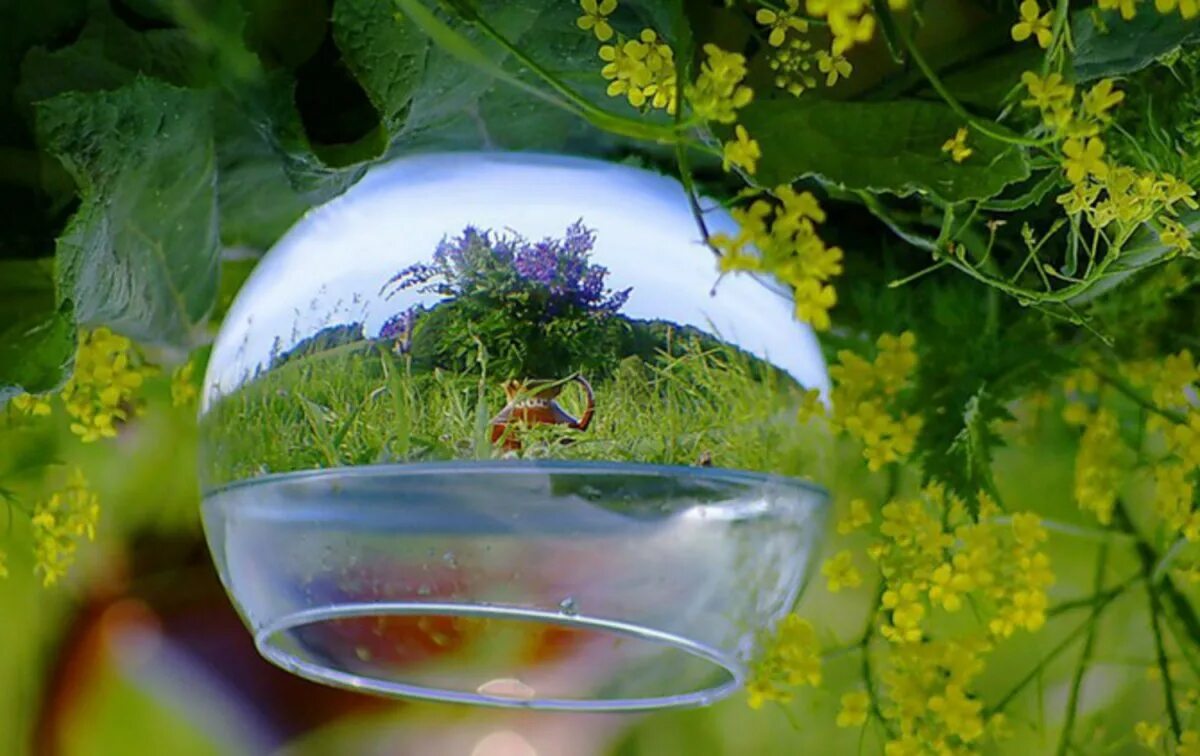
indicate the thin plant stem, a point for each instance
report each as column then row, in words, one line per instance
column 1085, row 656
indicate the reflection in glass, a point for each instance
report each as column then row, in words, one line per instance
column 481, row 429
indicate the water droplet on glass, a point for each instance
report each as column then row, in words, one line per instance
column 450, row 561
column 568, row 606
column 506, row 687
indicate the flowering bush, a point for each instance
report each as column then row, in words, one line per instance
column 536, row 309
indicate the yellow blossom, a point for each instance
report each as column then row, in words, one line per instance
column 855, row 707
column 1174, row 234
column 958, row 712
column 957, row 146
column 643, row 70
column 742, row 151
column 781, row 22
column 790, row 657
column 1189, row 744
column 32, row 404
column 183, row 390
column 595, row 17
column 1084, row 159
column 101, row 392
column 857, row 516
column 1128, row 8
column 1187, row 8
column 1101, row 98
column 1034, row 24
column 1148, row 734
column 718, row 91
column 841, row 572
column 59, row 522
column 833, row 66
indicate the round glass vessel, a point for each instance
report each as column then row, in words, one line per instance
column 490, row 428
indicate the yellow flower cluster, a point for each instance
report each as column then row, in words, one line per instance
column 183, row 388
column 840, row 571
column 794, row 60
column 59, row 523
column 101, row 392
column 1189, row 9
column 718, row 92
column 957, row 146
column 932, row 555
column 930, row 707
column 1097, row 471
column 855, row 707
column 779, row 236
column 850, row 21
column 35, row 405
column 865, row 395
column 791, row 657
column 1102, row 191
column 642, row 69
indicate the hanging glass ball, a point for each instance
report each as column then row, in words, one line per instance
column 491, row 428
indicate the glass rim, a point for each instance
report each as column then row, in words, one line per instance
column 735, row 670
column 532, row 467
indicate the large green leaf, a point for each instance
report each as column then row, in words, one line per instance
column 1108, row 45
column 385, row 51
column 140, row 253
column 879, row 146
column 37, row 335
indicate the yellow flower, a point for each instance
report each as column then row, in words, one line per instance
column 1189, row 744
column 59, row 522
column 1082, row 160
column 957, row 146
column 855, row 707
column 1096, row 475
column 1174, row 234
column 1034, row 24
column 101, row 392
column 1128, row 8
column 858, row 516
column 833, row 66
column 718, row 91
column 1148, row 734
column 781, row 22
column 959, row 714
column 183, row 391
column 1187, row 8
column 595, row 17
column 1102, row 98
column 1080, row 198
column 841, row 572
column 741, row 151
column 643, row 70
column 1047, row 94
column 790, row 657
column 31, row 404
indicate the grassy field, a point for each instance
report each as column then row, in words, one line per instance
column 359, row 404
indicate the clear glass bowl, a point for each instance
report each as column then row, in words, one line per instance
column 490, row 428
column 551, row 584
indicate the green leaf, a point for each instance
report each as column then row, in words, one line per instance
column 972, row 448
column 385, row 51
column 1108, row 45
column 891, row 147
column 37, row 335
column 140, row 253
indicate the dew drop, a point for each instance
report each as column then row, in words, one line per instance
column 568, row 606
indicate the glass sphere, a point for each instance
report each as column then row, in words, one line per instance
column 491, row 428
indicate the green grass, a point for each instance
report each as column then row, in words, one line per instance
column 358, row 404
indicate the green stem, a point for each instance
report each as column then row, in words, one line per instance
column 1044, row 662
column 984, row 127
column 1164, row 667
column 1085, row 657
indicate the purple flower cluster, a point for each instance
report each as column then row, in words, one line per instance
column 481, row 262
column 398, row 329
